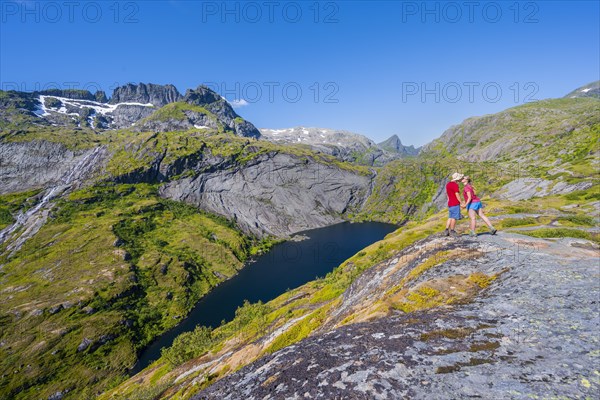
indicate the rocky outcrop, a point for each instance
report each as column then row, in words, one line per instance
column 16, row 104
column 126, row 116
column 158, row 95
column 101, row 97
column 276, row 194
column 531, row 333
column 527, row 188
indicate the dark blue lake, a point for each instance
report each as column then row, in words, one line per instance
column 286, row 266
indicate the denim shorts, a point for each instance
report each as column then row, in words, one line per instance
column 474, row 206
column 454, row 212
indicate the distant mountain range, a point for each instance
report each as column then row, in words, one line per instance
column 161, row 108
column 139, row 106
column 347, row 146
column 589, row 90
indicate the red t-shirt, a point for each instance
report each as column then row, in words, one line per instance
column 451, row 190
column 466, row 190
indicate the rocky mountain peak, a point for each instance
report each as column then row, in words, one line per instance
column 200, row 108
column 201, row 96
column 101, row 96
column 75, row 94
column 394, row 144
column 157, row 95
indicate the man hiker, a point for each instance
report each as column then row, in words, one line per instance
column 454, row 203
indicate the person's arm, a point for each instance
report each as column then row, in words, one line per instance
column 457, row 194
column 469, row 198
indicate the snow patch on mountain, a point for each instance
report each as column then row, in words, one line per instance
column 99, row 108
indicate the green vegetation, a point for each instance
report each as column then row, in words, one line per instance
column 510, row 222
column 300, row 330
column 420, row 299
column 250, row 319
column 562, row 232
column 531, row 138
column 577, row 220
column 405, row 189
column 592, row 194
column 189, row 345
column 11, row 204
column 114, row 267
column 176, row 111
column 481, row 280
column 72, row 138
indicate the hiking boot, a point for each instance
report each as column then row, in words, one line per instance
column 446, row 232
column 494, row 231
column 453, row 233
column 472, row 234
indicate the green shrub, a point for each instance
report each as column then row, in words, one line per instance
column 562, row 232
column 584, row 220
column 509, row 222
column 5, row 218
column 188, row 345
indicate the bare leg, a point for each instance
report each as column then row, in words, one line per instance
column 452, row 223
column 448, row 223
column 472, row 215
column 485, row 219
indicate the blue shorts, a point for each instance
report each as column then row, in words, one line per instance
column 454, row 212
column 474, row 206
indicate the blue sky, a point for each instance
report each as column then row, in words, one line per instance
column 377, row 68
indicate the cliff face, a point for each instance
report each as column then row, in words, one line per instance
column 275, row 194
column 36, row 164
column 263, row 188
column 158, row 95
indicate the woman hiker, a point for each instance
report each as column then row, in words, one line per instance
column 473, row 206
column 454, row 204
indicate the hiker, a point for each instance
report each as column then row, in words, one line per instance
column 454, row 203
column 474, row 207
